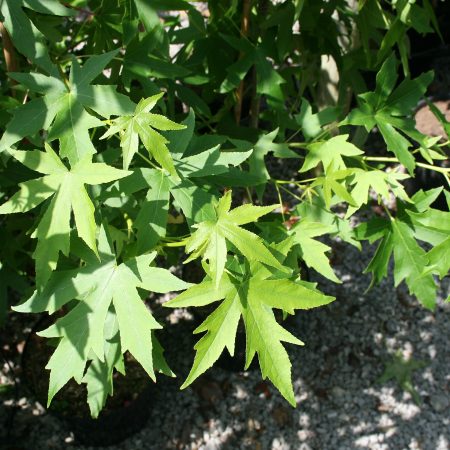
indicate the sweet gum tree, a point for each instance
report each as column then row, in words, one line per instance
column 140, row 133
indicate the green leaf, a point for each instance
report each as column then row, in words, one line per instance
column 253, row 298
column 195, row 201
column 151, row 220
column 380, row 181
column 312, row 251
column 396, row 143
column 389, row 108
column 25, row 36
column 82, row 330
column 99, row 375
column 141, row 125
column 69, row 194
column 210, row 162
column 378, row 265
column 439, row 258
column 220, row 327
column 66, row 104
column 329, row 153
column 263, row 146
column 412, row 263
column 209, row 241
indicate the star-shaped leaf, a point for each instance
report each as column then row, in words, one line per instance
column 64, row 104
column 380, row 181
column 389, row 108
column 252, row 296
column 209, row 240
column 99, row 288
column 312, row 251
column 141, row 125
column 334, row 182
column 411, row 262
column 66, row 187
column 329, row 153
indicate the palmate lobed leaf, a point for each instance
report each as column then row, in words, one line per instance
column 399, row 238
column 312, row 251
column 389, row 108
column 380, row 181
column 209, row 239
column 330, row 154
column 68, row 194
column 64, row 106
column 141, row 125
column 106, row 293
column 253, row 299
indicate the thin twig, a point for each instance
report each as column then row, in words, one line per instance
column 244, row 32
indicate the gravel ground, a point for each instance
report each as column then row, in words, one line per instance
column 341, row 404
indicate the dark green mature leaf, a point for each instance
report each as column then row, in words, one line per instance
column 210, row 162
column 26, row 37
column 151, row 220
column 388, row 108
column 64, row 104
column 98, row 376
column 66, row 187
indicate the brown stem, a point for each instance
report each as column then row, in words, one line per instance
column 9, row 53
column 244, row 33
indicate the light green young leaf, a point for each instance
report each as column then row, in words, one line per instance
column 380, row 181
column 98, row 288
column 334, row 182
column 69, row 195
column 209, row 240
column 329, row 153
column 439, row 258
column 253, row 297
column 220, row 328
column 312, row 251
column 142, row 124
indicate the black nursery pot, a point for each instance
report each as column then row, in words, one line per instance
column 124, row 414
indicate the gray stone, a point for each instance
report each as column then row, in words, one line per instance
column 440, row 402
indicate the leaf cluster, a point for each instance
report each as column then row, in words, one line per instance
column 137, row 135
